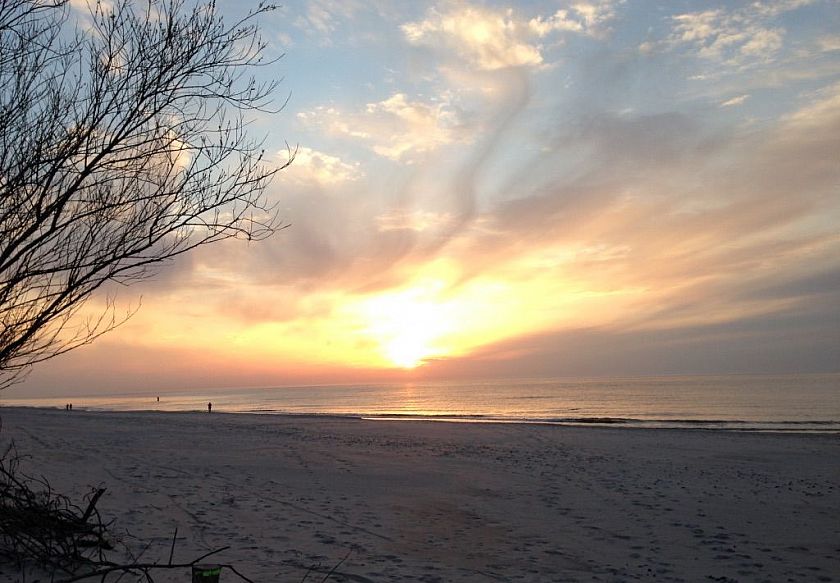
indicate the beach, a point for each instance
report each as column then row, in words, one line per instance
column 438, row 502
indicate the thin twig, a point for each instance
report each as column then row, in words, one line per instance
column 336, row 566
column 92, row 504
column 241, row 576
column 306, row 575
column 172, row 548
column 202, row 557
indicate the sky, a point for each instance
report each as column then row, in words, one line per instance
column 547, row 188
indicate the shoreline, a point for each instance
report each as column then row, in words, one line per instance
column 441, row 502
column 819, row 427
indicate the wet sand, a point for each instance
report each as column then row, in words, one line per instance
column 439, row 502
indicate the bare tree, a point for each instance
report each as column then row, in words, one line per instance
column 123, row 143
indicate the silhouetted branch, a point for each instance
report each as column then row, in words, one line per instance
column 123, row 144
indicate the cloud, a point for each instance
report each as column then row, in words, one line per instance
column 321, row 18
column 776, row 7
column 316, row 19
column 829, row 43
column 762, row 42
column 678, row 226
column 647, row 47
column 418, row 127
column 666, row 225
column 696, row 26
column 824, row 107
column 490, row 39
column 594, row 14
column 312, row 165
column 87, row 6
column 333, row 121
column 735, row 37
column 602, row 208
column 417, row 220
column 779, row 343
column 739, row 100
column 487, row 39
column 398, row 127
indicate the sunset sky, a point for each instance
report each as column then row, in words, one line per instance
column 489, row 189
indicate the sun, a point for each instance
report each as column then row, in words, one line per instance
column 408, row 351
column 408, row 325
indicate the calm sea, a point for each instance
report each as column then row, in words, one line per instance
column 801, row 403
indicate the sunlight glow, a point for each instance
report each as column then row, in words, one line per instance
column 434, row 316
column 408, row 324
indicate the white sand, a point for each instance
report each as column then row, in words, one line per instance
column 421, row 501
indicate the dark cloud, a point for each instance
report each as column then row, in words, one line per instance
column 811, row 286
column 807, row 341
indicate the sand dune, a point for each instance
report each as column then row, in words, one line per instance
column 439, row 502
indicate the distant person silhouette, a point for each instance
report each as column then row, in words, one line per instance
column 71, row 406
column 158, row 400
column 209, row 407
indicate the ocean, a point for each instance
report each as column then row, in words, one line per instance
column 793, row 403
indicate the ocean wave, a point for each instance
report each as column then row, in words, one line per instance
column 823, row 425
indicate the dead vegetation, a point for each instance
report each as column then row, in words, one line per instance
column 43, row 531
column 39, row 526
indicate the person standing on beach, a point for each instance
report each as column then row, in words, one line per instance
column 209, row 407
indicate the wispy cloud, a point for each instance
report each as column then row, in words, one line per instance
column 829, row 43
column 412, row 220
column 739, row 100
column 333, row 121
column 731, row 38
column 734, row 37
column 823, row 108
column 777, row 7
column 321, row 18
column 589, row 18
column 398, row 127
